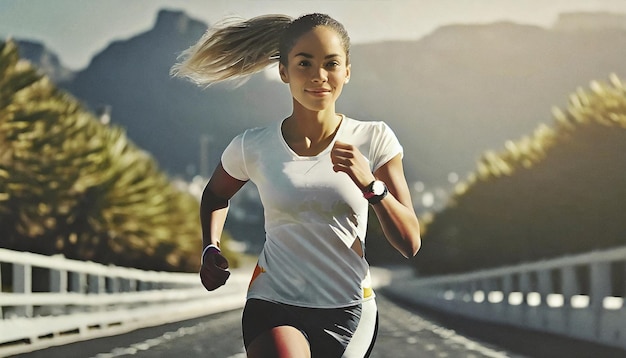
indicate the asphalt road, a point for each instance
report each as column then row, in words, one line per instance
column 405, row 331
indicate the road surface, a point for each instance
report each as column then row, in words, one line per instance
column 404, row 332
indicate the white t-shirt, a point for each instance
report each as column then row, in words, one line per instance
column 312, row 214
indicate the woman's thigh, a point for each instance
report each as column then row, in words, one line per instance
column 279, row 342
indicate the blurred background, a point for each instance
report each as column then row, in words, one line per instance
column 512, row 115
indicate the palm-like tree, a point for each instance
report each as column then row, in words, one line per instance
column 72, row 185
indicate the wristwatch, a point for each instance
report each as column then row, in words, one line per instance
column 375, row 192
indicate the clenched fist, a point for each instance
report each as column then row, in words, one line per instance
column 214, row 271
column 348, row 159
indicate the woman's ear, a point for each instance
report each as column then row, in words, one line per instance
column 282, row 70
column 348, row 70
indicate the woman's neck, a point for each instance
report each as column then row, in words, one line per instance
column 309, row 133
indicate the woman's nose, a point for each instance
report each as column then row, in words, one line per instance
column 320, row 75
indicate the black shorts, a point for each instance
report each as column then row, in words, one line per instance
column 331, row 332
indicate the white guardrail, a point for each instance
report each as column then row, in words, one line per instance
column 580, row 296
column 50, row 300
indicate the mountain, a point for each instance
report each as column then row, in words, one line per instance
column 575, row 21
column 169, row 117
column 45, row 60
column 449, row 96
column 467, row 88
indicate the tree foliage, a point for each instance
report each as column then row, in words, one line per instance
column 72, row 185
column 556, row 192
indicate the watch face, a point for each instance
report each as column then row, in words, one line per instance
column 378, row 187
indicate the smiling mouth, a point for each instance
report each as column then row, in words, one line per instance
column 317, row 91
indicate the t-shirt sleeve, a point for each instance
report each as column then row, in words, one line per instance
column 385, row 146
column 233, row 159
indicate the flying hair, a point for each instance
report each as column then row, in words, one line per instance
column 233, row 50
column 236, row 48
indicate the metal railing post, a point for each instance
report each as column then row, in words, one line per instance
column 23, row 283
column 58, row 284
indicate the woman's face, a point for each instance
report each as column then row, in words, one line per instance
column 317, row 68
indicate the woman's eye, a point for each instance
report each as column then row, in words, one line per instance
column 304, row 63
column 333, row 64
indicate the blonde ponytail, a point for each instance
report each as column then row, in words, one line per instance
column 233, row 50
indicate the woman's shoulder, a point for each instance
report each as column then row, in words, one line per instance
column 259, row 131
column 255, row 136
column 358, row 125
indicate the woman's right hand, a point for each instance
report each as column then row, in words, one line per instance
column 214, row 271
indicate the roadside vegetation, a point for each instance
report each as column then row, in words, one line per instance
column 558, row 191
column 72, row 185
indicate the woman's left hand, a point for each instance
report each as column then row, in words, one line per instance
column 348, row 159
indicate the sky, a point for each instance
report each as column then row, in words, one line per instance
column 78, row 29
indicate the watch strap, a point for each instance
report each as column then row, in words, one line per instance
column 377, row 198
column 371, row 196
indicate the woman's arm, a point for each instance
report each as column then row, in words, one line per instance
column 213, row 211
column 395, row 212
column 214, row 205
